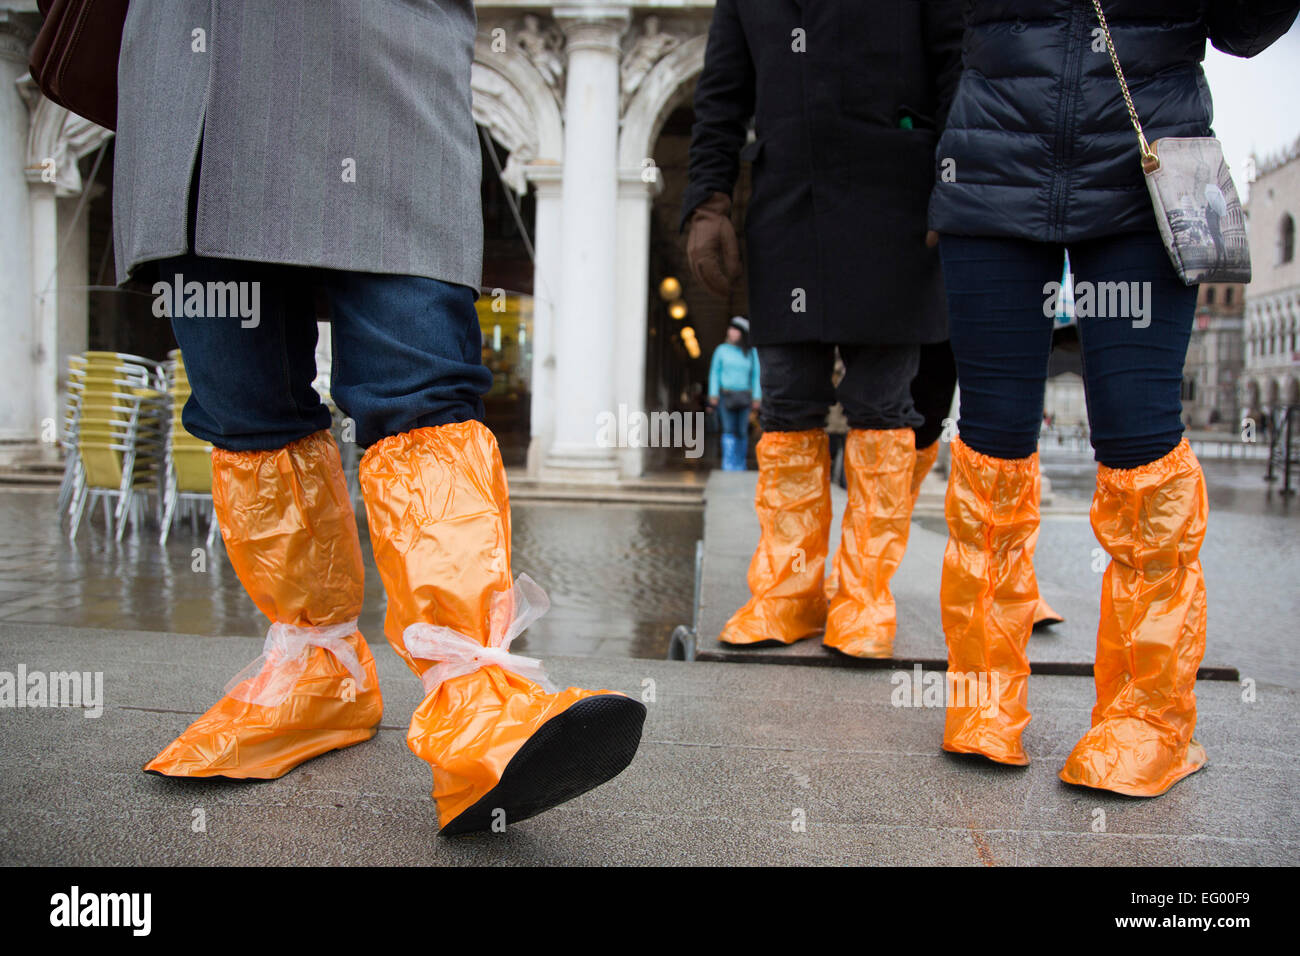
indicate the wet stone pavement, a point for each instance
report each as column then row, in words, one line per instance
column 620, row 577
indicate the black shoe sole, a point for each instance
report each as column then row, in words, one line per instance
column 573, row 752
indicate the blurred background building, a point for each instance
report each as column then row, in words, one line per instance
column 1215, row 358
column 584, row 111
column 1270, row 378
column 588, row 306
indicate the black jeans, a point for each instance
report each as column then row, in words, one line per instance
column 932, row 391
column 875, row 391
column 1001, row 323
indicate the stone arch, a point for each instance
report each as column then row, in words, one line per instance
column 56, row 134
column 664, row 88
column 515, row 104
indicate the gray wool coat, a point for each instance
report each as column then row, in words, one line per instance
column 287, row 98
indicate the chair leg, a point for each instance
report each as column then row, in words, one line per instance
column 78, row 489
column 75, row 509
column 124, row 507
column 67, row 484
column 169, row 511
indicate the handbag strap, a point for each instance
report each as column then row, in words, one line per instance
column 1150, row 161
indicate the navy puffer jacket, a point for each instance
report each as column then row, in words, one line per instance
column 1039, row 144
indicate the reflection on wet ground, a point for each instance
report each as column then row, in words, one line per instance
column 620, row 577
column 1234, row 485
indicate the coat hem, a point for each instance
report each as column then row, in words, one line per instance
column 440, row 275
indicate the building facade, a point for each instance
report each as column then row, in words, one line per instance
column 1271, row 376
column 1215, row 358
column 578, row 102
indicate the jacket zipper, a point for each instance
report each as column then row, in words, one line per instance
column 1065, row 123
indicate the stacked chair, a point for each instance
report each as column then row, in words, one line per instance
column 187, row 479
column 114, row 435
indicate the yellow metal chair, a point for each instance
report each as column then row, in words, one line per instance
column 188, row 460
column 115, row 423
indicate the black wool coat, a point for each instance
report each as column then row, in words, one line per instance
column 1039, row 144
column 847, row 98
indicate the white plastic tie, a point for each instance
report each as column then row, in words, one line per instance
column 457, row 654
column 269, row 680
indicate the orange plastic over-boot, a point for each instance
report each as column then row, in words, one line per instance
column 439, row 514
column 1151, row 521
column 793, row 501
column 1044, row 615
column 925, row 459
column 288, row 527
column 873, row 538
column 988, row 595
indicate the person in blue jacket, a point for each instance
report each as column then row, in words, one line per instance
column 734, row 391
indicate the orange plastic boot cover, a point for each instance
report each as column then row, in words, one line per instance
column 1151, row 638
column 793, row 503
column 988, row 595
column 439, row 515
column 873, row 537
column 1044, row 615
column 288, row 527
column 925, row 459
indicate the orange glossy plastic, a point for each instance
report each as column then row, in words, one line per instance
column 879, row 466
column 988, row 595
column 793, row 503
column 1043, row 613
column 925, row 459
column 1151, row 521
column 291, row 536
column 439, row 514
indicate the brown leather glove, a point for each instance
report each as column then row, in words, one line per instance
column 711, row 245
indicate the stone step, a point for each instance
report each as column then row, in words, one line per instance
column 731, row 758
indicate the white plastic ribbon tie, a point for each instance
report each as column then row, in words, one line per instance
column 269, row 680
column 457, row 654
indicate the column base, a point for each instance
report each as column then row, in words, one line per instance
column 581, row 463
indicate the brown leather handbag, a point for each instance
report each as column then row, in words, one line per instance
column 74, row 58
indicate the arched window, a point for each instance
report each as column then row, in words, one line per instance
column 1227, row 296
column 1209, row 295
column 1286, row 239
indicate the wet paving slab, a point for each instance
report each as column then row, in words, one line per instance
column 730, row 756
column 1251, row 559
column 620, row 576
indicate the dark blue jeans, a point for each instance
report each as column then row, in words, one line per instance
column 407, row 353
column 734, row 421
column 1132, row 361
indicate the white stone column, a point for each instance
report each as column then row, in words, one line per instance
column 637, row 189
column 17, row 419
column 584, row 331
column 74, row 273
column 547, row 262
column 43, row 352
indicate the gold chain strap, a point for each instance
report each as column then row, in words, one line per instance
column 1150, row 162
